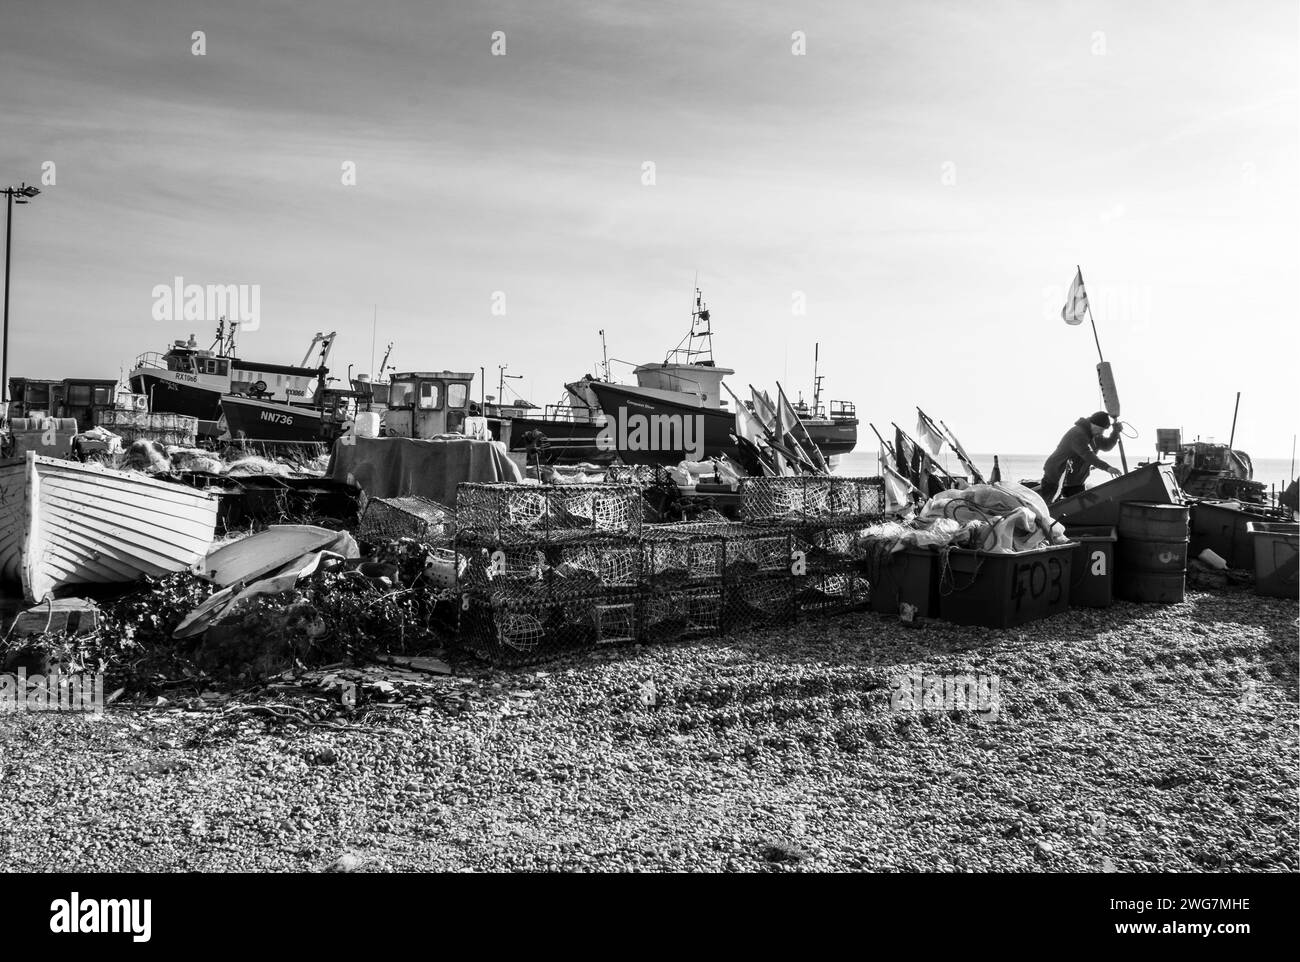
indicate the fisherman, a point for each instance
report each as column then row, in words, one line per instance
column 1076, row 456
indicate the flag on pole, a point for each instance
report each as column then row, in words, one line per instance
column 927, row 433
column 747, row 426
column 1076, row 302
column 898, row 489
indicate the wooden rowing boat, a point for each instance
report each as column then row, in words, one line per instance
column 65, row 523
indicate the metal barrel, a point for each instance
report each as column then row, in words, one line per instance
column 1151, row 554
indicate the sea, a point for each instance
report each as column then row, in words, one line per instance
column 1271, row 472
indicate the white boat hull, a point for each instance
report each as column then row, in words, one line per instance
column 64, row 523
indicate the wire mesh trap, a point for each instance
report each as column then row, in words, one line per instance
column 766, row 602
column 575, row 567
column 533, row 512
column 423, row 519
column 522, row 629
column 679, row 614
column 832, row 592
column 810, row 498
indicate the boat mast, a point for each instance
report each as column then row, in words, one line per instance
column 604, row 353
column 699, row 342
column 817, row 382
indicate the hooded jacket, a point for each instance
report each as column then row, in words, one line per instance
column 1078, row 445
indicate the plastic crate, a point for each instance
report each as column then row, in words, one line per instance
column 908, row 576
column 1277, row 556
column 1225, row 530
column 1004, row 590
column 1092, row 570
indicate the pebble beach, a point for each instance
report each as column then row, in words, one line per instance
column 1128, row 739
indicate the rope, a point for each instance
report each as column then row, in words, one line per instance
column 946, row 580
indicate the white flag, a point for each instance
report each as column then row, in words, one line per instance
column 1076, row 302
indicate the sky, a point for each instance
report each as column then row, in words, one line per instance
column 909, row 185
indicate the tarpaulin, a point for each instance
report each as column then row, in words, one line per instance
column 396, row 467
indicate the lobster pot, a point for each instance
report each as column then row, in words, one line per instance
column 137, row 425
column 720, row 549
column 760, row 602
column 680, row 614
column 422, row 519
column 682, row 557
column 524, row 629
column 755, row 552
column 1151, row 554
column 573, row 568
column 547, row 512
column 828, row 547
column 832, row 592
column 810, row 499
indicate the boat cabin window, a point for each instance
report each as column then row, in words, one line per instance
column 103, row 395
column 401, row 394
column 430, row 399
column 457, row 394
column 79, row 394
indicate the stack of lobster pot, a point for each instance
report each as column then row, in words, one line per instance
column 544, row 570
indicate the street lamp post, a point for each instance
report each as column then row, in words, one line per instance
column 23, row 194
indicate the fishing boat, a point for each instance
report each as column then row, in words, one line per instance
column 569, row 428
column 834, row 432
column 674, row 412
column 64, row 523
column 192, row 381
column 1207, row 470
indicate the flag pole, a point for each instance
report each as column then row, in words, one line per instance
column 1123, row 458
column 1088, row 301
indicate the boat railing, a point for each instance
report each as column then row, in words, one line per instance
column 842, row 410
column 579, row 413
column 152, row 359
